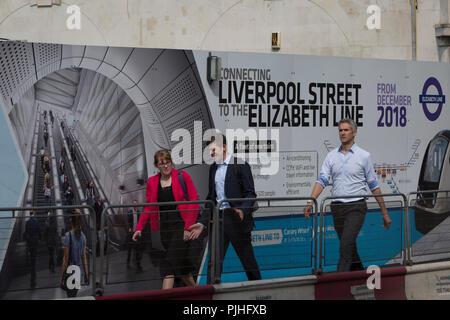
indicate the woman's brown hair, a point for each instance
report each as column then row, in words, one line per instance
column 162, row 154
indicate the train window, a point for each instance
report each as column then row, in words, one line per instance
column 435, row 160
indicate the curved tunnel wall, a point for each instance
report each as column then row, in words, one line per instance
column 110, row 131
column 22, row 118
column 164, row 85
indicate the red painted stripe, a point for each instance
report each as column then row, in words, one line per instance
column 186, row 293
column 356, row 275
column 353, row 285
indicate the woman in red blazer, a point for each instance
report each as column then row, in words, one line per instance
column 173, row 221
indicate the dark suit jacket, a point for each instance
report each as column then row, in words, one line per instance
column 235, row 187
column 32, row 232
column 98, row 208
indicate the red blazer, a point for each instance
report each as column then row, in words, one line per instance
column 189, row 212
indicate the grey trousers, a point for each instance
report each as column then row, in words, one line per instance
column 348, row 218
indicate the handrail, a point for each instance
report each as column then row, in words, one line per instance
column 406, row 259
column 217, row 276
column 318, row 213
column 138, row 205
column 90, row 214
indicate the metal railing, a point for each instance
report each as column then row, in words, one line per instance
column 403, row 236
column 116, row 219
column 19, row 264
column 287, row 239
column 309, row 252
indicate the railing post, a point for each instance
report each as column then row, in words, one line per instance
column 100, row 288
column 215, row 246
column 321, row 235
column 406, row 258
column 93, row 219
column 315, row 234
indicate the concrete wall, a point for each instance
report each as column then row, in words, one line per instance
column 312, row 27
column 418, row 282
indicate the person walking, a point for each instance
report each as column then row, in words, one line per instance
column 72, row 152
column 173, row 220
column 47, row 193
column 42, row 154
column 228, row 179
column 74, row 252
column 51, row 238
column 69, row 195
column 46, row 162
column 99, row 206
column 32, row 237
column 45, row 137
column 350, row 168
column 90, row 193
column 65, row 185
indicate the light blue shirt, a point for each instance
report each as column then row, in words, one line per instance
column 219, row 180
column 349, row 173
column 77, row 248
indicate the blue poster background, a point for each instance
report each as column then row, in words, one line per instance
column 284, row 245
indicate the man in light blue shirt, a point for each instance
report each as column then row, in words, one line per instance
column 229, row 179
column 219, row 180
column 350, row 168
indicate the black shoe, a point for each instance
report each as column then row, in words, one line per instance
column 139, row 268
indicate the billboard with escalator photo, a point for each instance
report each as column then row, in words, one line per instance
column 82, row 122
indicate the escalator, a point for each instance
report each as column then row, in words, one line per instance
column 19, row 278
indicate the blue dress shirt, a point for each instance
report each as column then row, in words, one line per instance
column 349, row 173
column 219, row 180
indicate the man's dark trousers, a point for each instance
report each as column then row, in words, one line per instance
column 348, row 219
column 235, row 232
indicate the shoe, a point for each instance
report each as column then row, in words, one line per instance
column 139, row 268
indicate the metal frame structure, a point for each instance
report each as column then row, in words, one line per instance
column 59, row 216
column 214, row 265
column 405, row 249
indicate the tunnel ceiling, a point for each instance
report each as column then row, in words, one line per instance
column 163, row 84
column 59, row 88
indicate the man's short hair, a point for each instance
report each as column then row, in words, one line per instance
column 350, row 122
column 219, row 139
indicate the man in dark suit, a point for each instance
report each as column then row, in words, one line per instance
column 229, row 179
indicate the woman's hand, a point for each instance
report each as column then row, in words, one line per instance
column 186, row 235
column 137, row 235
column 240, row 213
column 195, row 231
